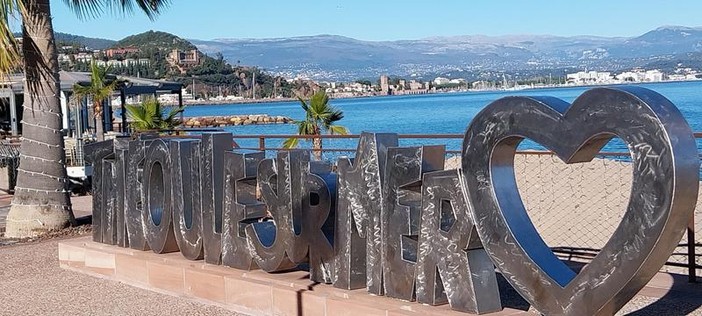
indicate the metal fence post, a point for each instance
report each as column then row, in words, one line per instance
column 262, row 143
column 691, row 252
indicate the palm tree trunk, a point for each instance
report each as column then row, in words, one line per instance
column 41, row 202
column 317, row 148
column 99, row 123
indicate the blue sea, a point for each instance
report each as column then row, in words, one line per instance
column 446, row 113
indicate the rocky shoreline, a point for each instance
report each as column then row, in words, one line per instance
column 231, row 120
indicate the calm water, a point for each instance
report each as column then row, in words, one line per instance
column 429, row 114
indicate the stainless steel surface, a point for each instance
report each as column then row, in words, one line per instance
column 212, row 148
column 94, row 154
column 663, row 196
column 135, row 194
column 400, row 227
column 449, row 244
column 109, row 201
column 240, row 206
column 157, row 215
column 120, row 178
column 357, row 236
column 399, row 222
column 315, row 225
column 271, row 242
column 187, row 203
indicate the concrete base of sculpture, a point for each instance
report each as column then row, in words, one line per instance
column 251, row 292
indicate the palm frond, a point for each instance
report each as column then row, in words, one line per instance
column 10, row 53
column 85, row 9
column 140, row 120
column 291, row 143
column 171, row 121
column 305, row 106
column 319, row 116
column 100, row 87
column 307, row 127
column 153, row 111
column 338, row 130
column 332, row 115
column 150, row 115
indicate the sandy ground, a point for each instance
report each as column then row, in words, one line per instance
column 31, row 283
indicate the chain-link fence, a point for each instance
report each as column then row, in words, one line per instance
column 577, row 207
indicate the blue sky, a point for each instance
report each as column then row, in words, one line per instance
column 389, row 19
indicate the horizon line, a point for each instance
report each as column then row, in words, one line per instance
column 390, row 40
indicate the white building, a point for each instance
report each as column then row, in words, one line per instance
column 415, row 85
column 588, row 77
column 441, row 81
column 84, row 57
column 114, row 63
column 653, row 76
column 638, row 75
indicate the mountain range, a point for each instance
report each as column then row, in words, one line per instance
column 476, row 56
column 332, row 57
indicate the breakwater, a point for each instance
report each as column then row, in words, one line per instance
column 231, row 120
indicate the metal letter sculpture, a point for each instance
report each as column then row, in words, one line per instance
column 108, row 160
column 451, row 262
column 399, row 225
column 157, row 216
column 664, row 190
column 135, row 194
column 399, row 221
column 119, row 177
column 357, row 237
column 240, row 206
column 187, row 202
column 213, row 146
column 272, row 242
column 94, row 154
column 316, row 221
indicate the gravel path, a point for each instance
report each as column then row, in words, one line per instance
column 32, row 283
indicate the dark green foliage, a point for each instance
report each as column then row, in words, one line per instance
column 63, row 39
column 212, row 76
column 151, row 116
column 155, row 39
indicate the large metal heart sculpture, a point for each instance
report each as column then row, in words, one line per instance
column 663, row 195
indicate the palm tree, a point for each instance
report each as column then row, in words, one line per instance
column 320, row 117
column 42, row 202
column 151, row 116
column 99, row 90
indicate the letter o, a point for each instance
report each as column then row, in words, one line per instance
column 158, row 213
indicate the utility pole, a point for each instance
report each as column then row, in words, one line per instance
column 192, row 91
column 253, row 85
column 275, row 85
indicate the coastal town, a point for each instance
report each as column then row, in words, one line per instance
column 387, row 86
column 213, row 80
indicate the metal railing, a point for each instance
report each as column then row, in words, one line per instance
column 575, row 207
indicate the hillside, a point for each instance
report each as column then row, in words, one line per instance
column 155, row 39
column 79, row 41
column 89, row 42
column 328, row 57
